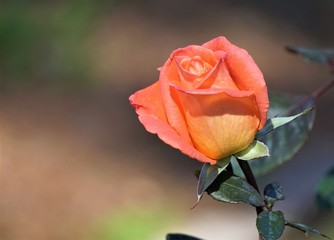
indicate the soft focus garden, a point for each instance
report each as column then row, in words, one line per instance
column 75, row 162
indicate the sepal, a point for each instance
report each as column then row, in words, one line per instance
column 255, row 150
column 277, row 122
column 208, row 174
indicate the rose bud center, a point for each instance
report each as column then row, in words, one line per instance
column 195, row 65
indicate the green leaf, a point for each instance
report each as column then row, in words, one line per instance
column 325, row 191
column 270, row 224
column 314, row 55
column 180, row 236
column 273, row 192
column 305, row 229
column 286, row 141
column 256, row 149
column 197, row 173
column 208, row 174
column 233, row 189
column 277, row 122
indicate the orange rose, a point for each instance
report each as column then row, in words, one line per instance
column 209, row 101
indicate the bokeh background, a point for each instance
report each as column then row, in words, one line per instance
column 76, row 163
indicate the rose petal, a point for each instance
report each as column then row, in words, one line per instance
column 150, row 99
column 194, row 50
column 210, row 91
column 203, row 56
column 187, row 79
column 219, row 77
column 170, row 136
column 169, row 73
column 219, row 124
column 150, row 110
column 245, row 73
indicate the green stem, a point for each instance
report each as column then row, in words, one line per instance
column 246, row 169
column 229, row 168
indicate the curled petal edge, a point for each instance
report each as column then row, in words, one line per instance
column 242, row 66
column 150, row 109
column 211, row 91
column 166, row 133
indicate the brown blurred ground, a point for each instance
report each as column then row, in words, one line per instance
column 70, row 155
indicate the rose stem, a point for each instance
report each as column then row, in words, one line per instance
column 315, row 94
column 230, row 168
column 324, row 88
column 246, row 169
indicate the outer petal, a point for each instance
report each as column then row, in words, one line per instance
column 150, row 99
column 220, row 124
column 244, row 71
column 150, row 109
column 169, row 73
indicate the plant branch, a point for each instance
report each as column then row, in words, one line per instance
column 230, row 168
column 323, row 89
column 246, row 169
column 315, row 95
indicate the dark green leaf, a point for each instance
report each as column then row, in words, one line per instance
column 208, row 174
column 286, row 141
column 233, row 189
column 273, row 192
column 197, row 173
column 304, row 228
column 270, row 224
column 325, row 191
column 314, row 55
column 180, row 236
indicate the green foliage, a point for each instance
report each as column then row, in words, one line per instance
column 325, row 191
column 273, row 192
column 255, row 150
column 314, row 55
column 284, row 143
column 179, row 236
column 232, row 189
column 47, row 43
column 305, row 229
column 208, row 174
column 270, row 224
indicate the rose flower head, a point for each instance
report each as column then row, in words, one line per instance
column 209, row 101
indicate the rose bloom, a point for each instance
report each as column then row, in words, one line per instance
column 209, row 101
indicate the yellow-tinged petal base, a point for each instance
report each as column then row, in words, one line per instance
column 219, row 124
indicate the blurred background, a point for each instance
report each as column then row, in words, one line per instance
column 76, row 163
